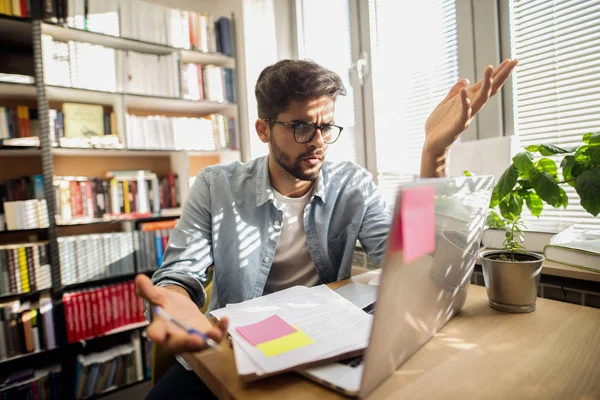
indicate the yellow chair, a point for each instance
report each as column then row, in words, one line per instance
column 161, row 359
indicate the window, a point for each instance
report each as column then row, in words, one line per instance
column 327, row 41
column 261, row 51
column 415, row 63
column 557, row 82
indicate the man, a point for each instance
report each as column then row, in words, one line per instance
column 290, row 218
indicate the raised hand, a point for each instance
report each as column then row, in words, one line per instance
column 180, row 306
column 454, row 114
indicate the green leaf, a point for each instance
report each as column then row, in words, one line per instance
column 467, row 173
column 547, row 188
column 532, row 147
column 567, row 165
column 534, row 203
column 511, row 206
column 593, row 155
column 493, row 220
column 524, row 163
column 506, row 183
column 547, row 165
column 588, row 188
column 525, row 184
column 593, row 139
column 550, row 150
column 563, row 199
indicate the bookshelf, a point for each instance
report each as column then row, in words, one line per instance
column 21, row 42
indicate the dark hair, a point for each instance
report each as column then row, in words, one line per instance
column 288, row 80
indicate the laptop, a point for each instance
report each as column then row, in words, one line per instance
column 414, row 299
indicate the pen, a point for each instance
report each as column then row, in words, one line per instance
column 163, row 314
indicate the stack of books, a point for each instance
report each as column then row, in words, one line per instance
column 15, row 8
column 148, row 74
column 100, row 372
column 32, row 384
column 207, row 82
column 170, row 133
column 78, row 64
column 97, row 311
column 26, row 327
column 18, row 122
column 96, row 256
column 24, row 268
column 122, row 194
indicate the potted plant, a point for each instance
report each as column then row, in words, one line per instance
column 512, row 275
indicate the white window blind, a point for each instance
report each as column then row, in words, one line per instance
column 557, row 82
column 327, row 41
column 415, row 63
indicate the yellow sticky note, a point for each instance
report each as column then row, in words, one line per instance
column 285, row 343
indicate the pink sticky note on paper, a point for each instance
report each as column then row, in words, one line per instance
column 265, row 330
column 414, row 232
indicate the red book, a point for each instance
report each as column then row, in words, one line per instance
column 101, row 311
column 114, row 298
column 133, row 196
column 73, row 186
column 133, row 304
column 192, row 29
column 141, row 308
column 89, row 196
column 164, row 236
column 23, row 4
column 89, row 323
column 172, row 194
column 69, row 318
column 200, row 83
column 94, row 307
column 80, row 325
column 108, row 308
column 124, row 287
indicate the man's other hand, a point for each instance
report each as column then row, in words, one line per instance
column 177, row 303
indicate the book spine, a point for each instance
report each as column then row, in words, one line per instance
column 31, row 272
column 23, row 270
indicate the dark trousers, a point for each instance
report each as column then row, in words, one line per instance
column 181, row 384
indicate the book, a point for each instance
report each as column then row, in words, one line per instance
column 537, row 236
column 574, row 248
column 83, row 120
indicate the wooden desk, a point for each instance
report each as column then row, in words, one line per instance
column 552, row 353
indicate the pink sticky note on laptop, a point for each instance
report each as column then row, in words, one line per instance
column 417, row 222
column 267, row 329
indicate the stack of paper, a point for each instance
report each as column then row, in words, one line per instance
column 294, row 328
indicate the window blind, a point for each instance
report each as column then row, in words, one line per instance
column 415, row 63
column 557, row 82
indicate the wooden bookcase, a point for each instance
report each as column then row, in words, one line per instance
column 22, row 38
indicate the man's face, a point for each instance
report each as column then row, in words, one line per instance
column 301, row 160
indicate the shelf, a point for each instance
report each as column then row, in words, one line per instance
column 189, row 56
column 64, row 34
column 7, row 232
column 76, row 152
column 17, row 91
column 23, row 296
column 70, row 94
column 27, row 355
column 120, row 219
column 197, row 57
column 19, row 151
column 125, row 328
column 169, row 104
column 102, row 282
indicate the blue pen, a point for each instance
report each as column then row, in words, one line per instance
column 163, row 314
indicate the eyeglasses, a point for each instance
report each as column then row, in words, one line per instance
column 304, row 132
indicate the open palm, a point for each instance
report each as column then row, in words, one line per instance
column 454, row 114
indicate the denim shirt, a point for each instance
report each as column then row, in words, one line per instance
column 230, row 220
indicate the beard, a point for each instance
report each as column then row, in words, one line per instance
column 295, row 168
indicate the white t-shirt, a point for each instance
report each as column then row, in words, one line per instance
column 292, row 264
